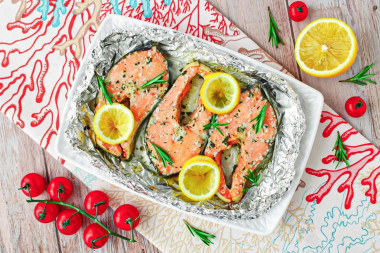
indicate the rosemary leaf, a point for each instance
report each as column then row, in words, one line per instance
column 215, row 125
column 361, row 78
column 106, row 94
column 200, row 234
column 155, row 80
column 260, row 120
column 162, row 155
column 340, row 151
column 253, row 179
column 273, row 33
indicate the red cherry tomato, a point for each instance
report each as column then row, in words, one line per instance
column 35, row 183
column 355, row 107
column 298, row 11
column 54, row 185
column 71, row 226
column 47, row 215
column 123, row 213
column 92, row 232
column 93, row 198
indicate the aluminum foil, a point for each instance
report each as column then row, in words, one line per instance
column 138, row 173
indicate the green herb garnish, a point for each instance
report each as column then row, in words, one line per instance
column 253, row 179
column 273, row 31
column 361, row 78
column 102, row 85
column 162, row 155
column 260, row 119
column 153, row 82
column 215, row 125
column 200, row 234
column 340, row 151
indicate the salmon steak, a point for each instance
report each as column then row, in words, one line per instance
column 180, row 141
column 125, row 82
column 240, row 131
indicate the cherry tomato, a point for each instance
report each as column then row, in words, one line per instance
column 71, row 226
column 66, row 187
column 355, row 107
column 92, row 232
column 298, row 11
column 35, row 182
column 47, row 215
column 96, row 197
column 124, row 212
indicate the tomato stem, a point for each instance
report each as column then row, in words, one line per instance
column 83, row 213
column 299, row 8
column 96, row 205
column 358, row 104
column 67, row 222
column 26, row 187
column 43, row 214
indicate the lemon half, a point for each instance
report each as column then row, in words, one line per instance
column 199, row 179
column 326, row 47
column 220, row 92
column 114, row 123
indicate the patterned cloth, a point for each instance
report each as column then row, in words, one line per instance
column 41, row 47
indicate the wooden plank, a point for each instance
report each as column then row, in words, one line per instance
column 19, row 230
column 75, row 242
column 362, row 16
column 251, row 16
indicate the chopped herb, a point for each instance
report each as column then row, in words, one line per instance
column 156, row 80
column 215, row 125
column 259, row 120
column 253, row 179
column 241, row 129
column 361, row 78
column 212, row 144
column 102, row 85
column 162, row 155
column 148, row 60
column 225, row 141
column 200, row 234
column 273, row 31
column 340, row 151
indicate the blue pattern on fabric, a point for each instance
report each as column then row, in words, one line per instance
column 115, row 6
column 44, row 9
column 59, row 7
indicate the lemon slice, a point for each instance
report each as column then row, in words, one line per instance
column 199, row 180
column 220, row 93
column 198, row 158
column 114, row 123
column 326, row 47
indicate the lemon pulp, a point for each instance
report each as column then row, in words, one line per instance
column 114, row 123
column 220, row 92
column 199, row 179
column 326, row 48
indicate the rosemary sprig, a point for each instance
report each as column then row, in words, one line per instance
column 154, row 81
column 102, row 85
column 252, row 178
column 273, row 33
column 260, row 119
column 340, row 151
column 215, row 125
column 162, row 155
column 361, row 78
column 199, row 233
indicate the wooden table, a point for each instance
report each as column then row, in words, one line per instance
column 19, row 155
